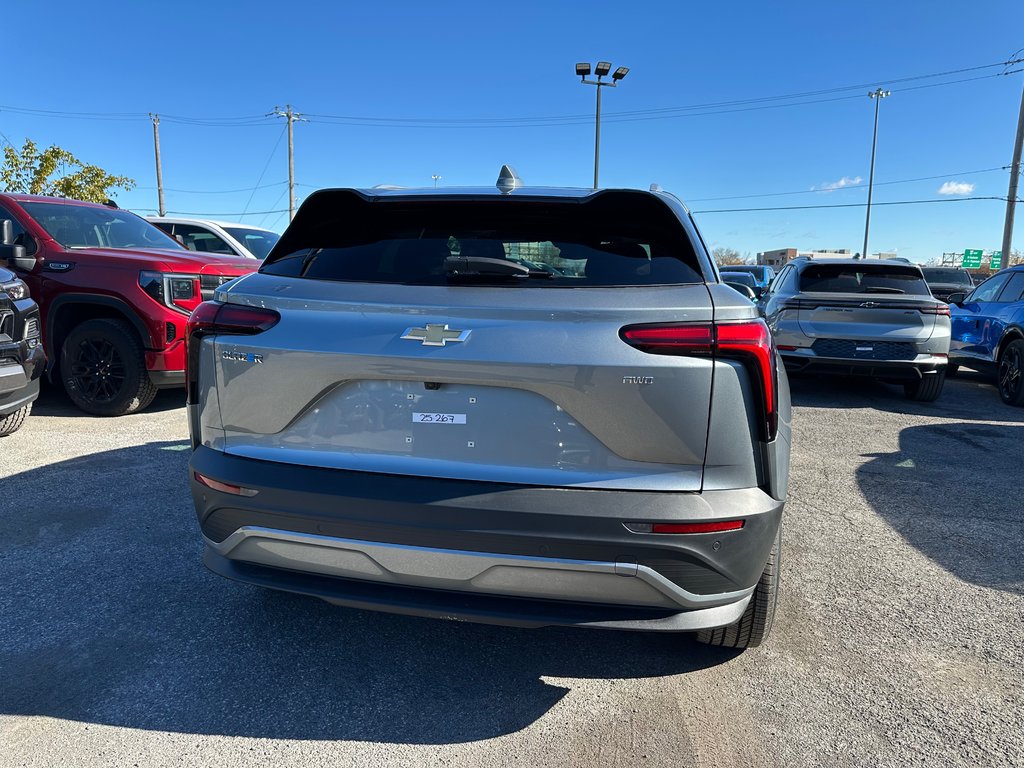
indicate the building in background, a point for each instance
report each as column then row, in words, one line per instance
column 781, row 256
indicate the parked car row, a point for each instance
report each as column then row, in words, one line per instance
column 114, row 294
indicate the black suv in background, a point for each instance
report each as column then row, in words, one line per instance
column 945, row 281
column 21, row 353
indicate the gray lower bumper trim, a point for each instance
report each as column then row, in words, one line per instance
column 607, row 583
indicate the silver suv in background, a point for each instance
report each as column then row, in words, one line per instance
column 856, row 317
column 398, row 413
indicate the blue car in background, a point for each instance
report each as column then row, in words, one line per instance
column 988, row 332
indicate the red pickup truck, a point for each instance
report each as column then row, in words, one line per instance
column 114, row 294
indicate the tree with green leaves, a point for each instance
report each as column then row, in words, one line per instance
column 57, row 173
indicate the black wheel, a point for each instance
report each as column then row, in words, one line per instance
column 103, row 367
column 756, row 622
column 928, row 389
column 1010, row 379
column 12, row 422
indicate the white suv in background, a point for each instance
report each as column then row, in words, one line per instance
column 208, row 236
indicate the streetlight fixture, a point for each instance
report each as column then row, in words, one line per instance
column 878, row 94
column 436, row 178
column 601, row 69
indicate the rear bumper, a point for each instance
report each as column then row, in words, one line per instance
column 483, row 551
column 903, row 370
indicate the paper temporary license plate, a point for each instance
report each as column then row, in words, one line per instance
column 439, row 418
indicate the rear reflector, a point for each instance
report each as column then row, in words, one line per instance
column 714, row 527
column 748, row 341
column 217, row 485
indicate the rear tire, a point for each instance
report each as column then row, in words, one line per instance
column 103, row 367
column 928, row 389
column 12, row 422
column 756, row 622
column 1010, row 377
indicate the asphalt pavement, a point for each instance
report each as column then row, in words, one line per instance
column 897, row 640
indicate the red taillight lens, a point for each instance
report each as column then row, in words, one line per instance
column 711, row 527
column 670, row 339
column 213, row 317
column 752, row 342
column 937, row 309
column 749, row 341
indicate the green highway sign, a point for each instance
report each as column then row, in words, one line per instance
column 995, row 261
column 972, row 259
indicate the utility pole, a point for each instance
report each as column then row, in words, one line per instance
column 159, row 167
column 878, row 94
column 1011, row 195
column 291, row 116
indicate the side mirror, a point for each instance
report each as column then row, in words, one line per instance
column 14, row 255
column 956, row 298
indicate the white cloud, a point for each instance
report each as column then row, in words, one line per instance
column 832, row 186
column 956, row 188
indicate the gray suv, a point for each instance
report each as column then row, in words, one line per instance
column 860, row 317
column 399, row 413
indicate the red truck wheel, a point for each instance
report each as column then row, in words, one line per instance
column 103, row 367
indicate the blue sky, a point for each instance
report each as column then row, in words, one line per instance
column 475, row 61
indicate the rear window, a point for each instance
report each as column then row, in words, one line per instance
column 739, row 277
column 867, row 278
column 624, row 239
column 954, row 276
column 758, row 272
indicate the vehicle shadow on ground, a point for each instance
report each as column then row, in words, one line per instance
column 53, row 401
column 953, row 492
column 110, row 618
column 968, row 396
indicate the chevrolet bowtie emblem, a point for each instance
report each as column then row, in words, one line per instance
column 435, row 335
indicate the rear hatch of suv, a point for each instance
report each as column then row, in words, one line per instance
column 870, row 310
column 416, row 336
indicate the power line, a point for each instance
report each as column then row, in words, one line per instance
column 220, row 191
column 207, row 214
column 850, row 205
column 848, row 186
column 707, row 108
column 265, row 166
column 723, row 210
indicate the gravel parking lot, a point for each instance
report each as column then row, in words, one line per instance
column 897, row 640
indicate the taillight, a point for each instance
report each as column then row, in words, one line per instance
column 936, row 309
column 213, row 317
column 748, row 341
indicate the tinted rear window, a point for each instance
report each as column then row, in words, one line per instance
column 955, row 276
column 739, row 277
column 758, row 272
column 630, row 239
column 867, row 278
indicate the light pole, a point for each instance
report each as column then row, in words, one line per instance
column 436, row 178
column 878, row 94
column 601, row 70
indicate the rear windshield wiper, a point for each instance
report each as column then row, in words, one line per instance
column 882, row 289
